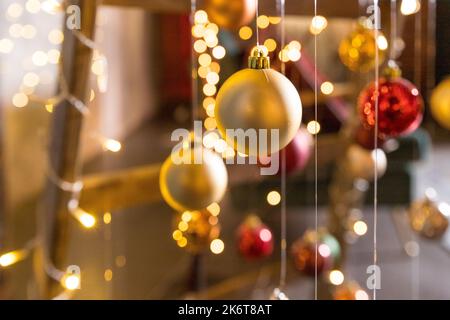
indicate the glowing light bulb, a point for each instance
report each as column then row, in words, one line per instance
column 112, row 145
column 6, row 45
column 313, row 127
column 336, row 277
column 217, row 246
column 201, row 17
column 270, row 44
column 33, row 6
column 51, row 6
column 318, row 24
column 214, row 209
column 209, row 89
column 361, row 295
column 409, row 7
column 263, row 22
column 273, row 198
column 14, row 10
column 39, row 58
column 327, row 87
column 28, row 31
column 200, row 46
column 71, row 281
column 107, row 217
column 56, row 36
column 212, row 78
column 20, row 100
column 245, row 32
column 360, row 228
column 12, row 257
column 31, row 79
column 382, row 42
column 219, row 52
column 85, row 218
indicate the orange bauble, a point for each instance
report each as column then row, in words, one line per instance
column 230, row 14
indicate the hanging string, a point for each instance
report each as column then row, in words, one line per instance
column 316, row 214
column 375, row 138
column 194, row 83
column 283, row 241
column 393, row 51
column 256, row 22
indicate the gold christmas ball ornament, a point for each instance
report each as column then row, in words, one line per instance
column 357, row 50
column 440, row 103
column 230, row 14
column 255, row 105
column 429, row 218
column 194, row 230
column 192, row 178
column 361, row 162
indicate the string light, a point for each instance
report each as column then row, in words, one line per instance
column 28, row 31
column 51, row 6
column 209, row 89
column 31, row 79
column 327, row 87
column 201, row 17
column 39, row 58
column 273, row 198
column 382, row 42
column 361, row 295
column 20, row 100
column 107, row 217
column 14, row 10
column 54, row 56
column 6, row 45
column 204, row 60
column 245, row 32
column 270, row 44
column 360, row 228
column 86, row 219
column 318, row 24
column 217, row 246
column 33, row 6
column 409, row 7
column 210, row 124
column 219, row 52
column 200, row 46
column 212, row 78
column 112, row 145
column 10, row 258
column 263, row 22
column 55, row 36
column 313, row 127
column 71, row 280
column 336, row 277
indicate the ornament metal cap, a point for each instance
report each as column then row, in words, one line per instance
column 392, row 70
column 259, row 58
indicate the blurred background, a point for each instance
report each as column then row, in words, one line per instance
column 144, row 68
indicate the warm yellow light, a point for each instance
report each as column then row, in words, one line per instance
column 6, row 45
column 12, row 257
column 327, row 87
column 208, row 101
column 33, row 6
column 263, row 22
column 182, row 242
column 200, row 46
column 99, row 65
column 270, row 44
column 71, row 281
column 213, row 27
column 211, row 40
column 274, row 20
column 217, row 246
column 382, row 42
column 212, row 78
column 177, row 235
column 360, row 228
column 219, row 52
column 409, row 7
column 220, row 145
column 313, row 127
column 245, row 32
column 49, row 107
column 210, row 124
column 56, row 36
column 209, row 139
column 198, row 31
column 107, row 217
column 20, row 100
column 273, row 198
column 183, row 226
column 14, row 10
column 31, row 79
column 336, row 277
column 204, row 59
column 201, row 17
column 121, row 261
column 85, row 218
column 209, row 89
column 39, row 58
column 294, row 54
column 361, row 295
column 283, row 55
column 294, row 44
column 28, row 31
column 214, row 209
column 112, row 145
column 108, row 275
column 318, row 24
column 215, row 66
column 15, row 30
column 51, row 6
column 203, row 71
column 186, row 216
column 210, row 110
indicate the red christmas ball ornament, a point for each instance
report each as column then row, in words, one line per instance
column 255, row 239
column 304, row 254
column 400, row 106
column 365, row 137
column 297, row 153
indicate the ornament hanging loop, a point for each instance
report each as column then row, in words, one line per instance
column 259, row 58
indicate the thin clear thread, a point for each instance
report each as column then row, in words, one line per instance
column 392, row 52
column 256, row 22
column 283, row 243
column 315, row 157
column 375, row 171
column 194, row 83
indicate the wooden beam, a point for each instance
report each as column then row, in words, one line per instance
column 121, row 189
column 53, row 215
column 328, row 8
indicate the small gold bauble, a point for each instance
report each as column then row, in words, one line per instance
column 258, row 99
column 428, row 218
column 357, row 51
column 440, row 103
column 230, row 14
column 194, row 230
column 191, row 186
column 361, row 162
